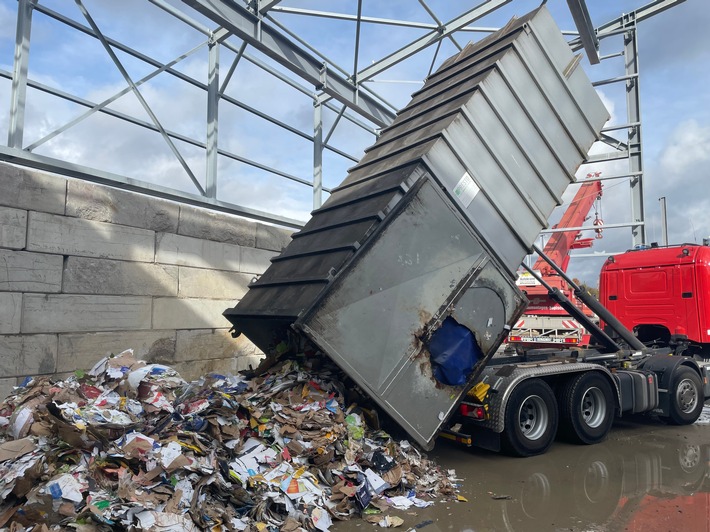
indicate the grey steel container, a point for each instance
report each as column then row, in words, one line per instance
column 434, row 221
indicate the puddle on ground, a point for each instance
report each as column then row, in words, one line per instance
column 646, row 477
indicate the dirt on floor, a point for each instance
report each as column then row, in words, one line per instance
column 646, row 477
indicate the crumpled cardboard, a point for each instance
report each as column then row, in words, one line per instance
column 129, row 445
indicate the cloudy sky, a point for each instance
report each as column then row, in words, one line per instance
column 675, row 99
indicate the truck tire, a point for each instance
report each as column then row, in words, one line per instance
column 531, row 419
column 686, row 397
column 586, row 408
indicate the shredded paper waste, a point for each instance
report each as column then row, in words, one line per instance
column 132, row 446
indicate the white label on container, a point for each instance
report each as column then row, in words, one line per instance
column 466, row 189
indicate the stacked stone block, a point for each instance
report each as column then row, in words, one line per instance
column 87, row 270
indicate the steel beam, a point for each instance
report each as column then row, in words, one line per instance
column 99, row 106
column 212, row 120
column 262, row 6
column 353, row 18
column 433, row 59
column 439, row 24
column 240, row 52
column 664, row 221
column 49, row 164
column 18, row 93
column 430, row 38
column 324, row 97
column 317, row 155
column 633, row 113
column 357, row 39
column 177, row 136
column 610, row 177
column 620, row 23
column 592, row 227
column 250, row 28
column 232, row 68
column 139, row 96
column 603, row 157
column 613, row 142
column 335, row 124
column 580, row 14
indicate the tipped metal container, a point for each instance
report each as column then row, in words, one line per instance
column 434, row 221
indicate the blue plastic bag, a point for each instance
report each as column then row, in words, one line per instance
column 453, row 353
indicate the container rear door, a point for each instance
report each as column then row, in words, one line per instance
column 373, row 318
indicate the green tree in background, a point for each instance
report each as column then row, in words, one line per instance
column 592, row 290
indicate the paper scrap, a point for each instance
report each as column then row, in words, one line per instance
column 13, row 449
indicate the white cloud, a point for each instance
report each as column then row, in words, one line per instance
column 689, row 146
column 609, row 104
column 7, row 28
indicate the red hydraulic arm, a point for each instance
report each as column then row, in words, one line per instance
column 546, row 321
column 560, row 244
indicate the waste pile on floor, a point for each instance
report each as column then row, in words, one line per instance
column 129, row 445
column 704, row 418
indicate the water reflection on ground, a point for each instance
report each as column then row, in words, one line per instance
column 646, row 477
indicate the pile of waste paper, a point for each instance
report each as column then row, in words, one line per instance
column 132, row 446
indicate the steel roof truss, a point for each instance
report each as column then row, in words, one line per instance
column 266, row 39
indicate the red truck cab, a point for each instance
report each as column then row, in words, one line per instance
column 661, row 293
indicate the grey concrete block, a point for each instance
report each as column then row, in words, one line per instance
column 7, row 386
column 13, row 228
column 32, row 190
column 194, row 369
column 216, row 226
column 76, row 313
column 212, row 284
column 22, row 271
column 256, row 260
column 175, row 313
column 248, row 362
column 82, row 351
column 32, row 354
column 84, row 275
column 10, row 312
column 106, row 204
column 73, row 236
column 188, row 251
column 272, row 237
column 212, row 343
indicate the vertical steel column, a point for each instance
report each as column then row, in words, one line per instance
column 664, row 221
column 633, row 109
column 317, row 154
column 18, row 95
column 212, row 119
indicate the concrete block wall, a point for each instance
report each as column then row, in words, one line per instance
column 88, row 270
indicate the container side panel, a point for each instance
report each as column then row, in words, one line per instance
column 477, row 206
column 374, row 315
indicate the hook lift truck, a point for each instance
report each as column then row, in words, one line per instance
column 521, row 402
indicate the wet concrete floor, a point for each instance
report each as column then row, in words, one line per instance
column 646, row 477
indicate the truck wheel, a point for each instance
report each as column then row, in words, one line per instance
column 586, row 408
column 686, row 397
column 530, row 419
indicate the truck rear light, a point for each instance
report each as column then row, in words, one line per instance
column 514, row 338
column 571, row 340
column 472, row 411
